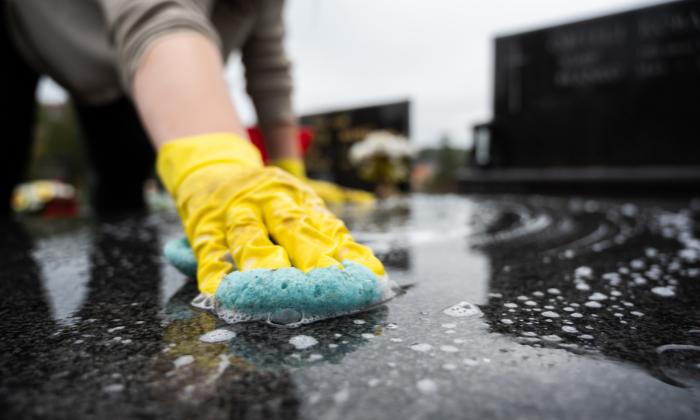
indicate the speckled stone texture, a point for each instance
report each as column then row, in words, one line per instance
column 95, row 323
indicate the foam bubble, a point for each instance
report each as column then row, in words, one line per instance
column 421, row 347
column 584, row 272
column 689, row 255
column 462, row 309
column 113, row 388
column 583, row 286
column 427, row 386
column 569, row 329
column 667, row 291
column 358, row 322
column 315, row 357
column 597, row 296
column 593, row 304
column 510, row 305
column 449, row 349
column 640, row 281
column 550, row 314
column 301, row 342
column 341, row 396
column 507, row 321
column 552, row 338
column 183, row 360
column 217, row 336
column 637, row 264
column 553, row 291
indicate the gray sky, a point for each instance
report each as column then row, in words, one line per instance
column 436, row 53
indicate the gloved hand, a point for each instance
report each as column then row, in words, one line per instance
column 328, row 191
column 233, row 208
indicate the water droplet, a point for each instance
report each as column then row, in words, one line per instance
column 421, row 347
column 427, row 386
column 217, row 336
column 462, row 309
column 301, row 342
column 667, row 291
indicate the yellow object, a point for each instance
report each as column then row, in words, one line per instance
column 328, row 191
column 233, row 208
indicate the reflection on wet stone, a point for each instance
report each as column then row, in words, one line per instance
column 509, row 302
column 614, row 278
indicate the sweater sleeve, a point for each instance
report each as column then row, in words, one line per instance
column 267, row 68
column 133, row 25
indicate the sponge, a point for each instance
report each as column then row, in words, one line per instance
column 180, row 255
column 288, row 296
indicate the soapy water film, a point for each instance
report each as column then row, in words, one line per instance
column 586, row 276
column 593, row 277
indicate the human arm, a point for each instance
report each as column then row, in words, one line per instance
column 230, row 205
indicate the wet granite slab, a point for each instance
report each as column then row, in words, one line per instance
column 528, row 307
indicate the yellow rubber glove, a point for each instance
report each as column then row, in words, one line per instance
column 328, row 191
column 233, row 208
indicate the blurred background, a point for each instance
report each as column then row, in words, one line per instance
column 481, row 94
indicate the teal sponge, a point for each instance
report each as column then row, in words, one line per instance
column 287, row 295
column 180, row 255
column 320, row 292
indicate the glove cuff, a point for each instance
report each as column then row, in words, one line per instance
column 294, row 166
column 178, row 158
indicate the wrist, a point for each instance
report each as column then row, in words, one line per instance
column 179, row 158
column 282, row 141
column 294, row 166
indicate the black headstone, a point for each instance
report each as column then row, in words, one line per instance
column 335, row 132
column 621, row 90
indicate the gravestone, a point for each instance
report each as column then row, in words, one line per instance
column 619, row 91
column 336, row 131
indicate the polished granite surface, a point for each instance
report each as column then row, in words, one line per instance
column 529, row 307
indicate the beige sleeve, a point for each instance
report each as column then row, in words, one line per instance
column 134, row 24
column 267, row 68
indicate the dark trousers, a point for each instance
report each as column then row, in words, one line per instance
column 120, row 154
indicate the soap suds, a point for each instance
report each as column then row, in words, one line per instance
column 217, row 336
column 301, row 342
